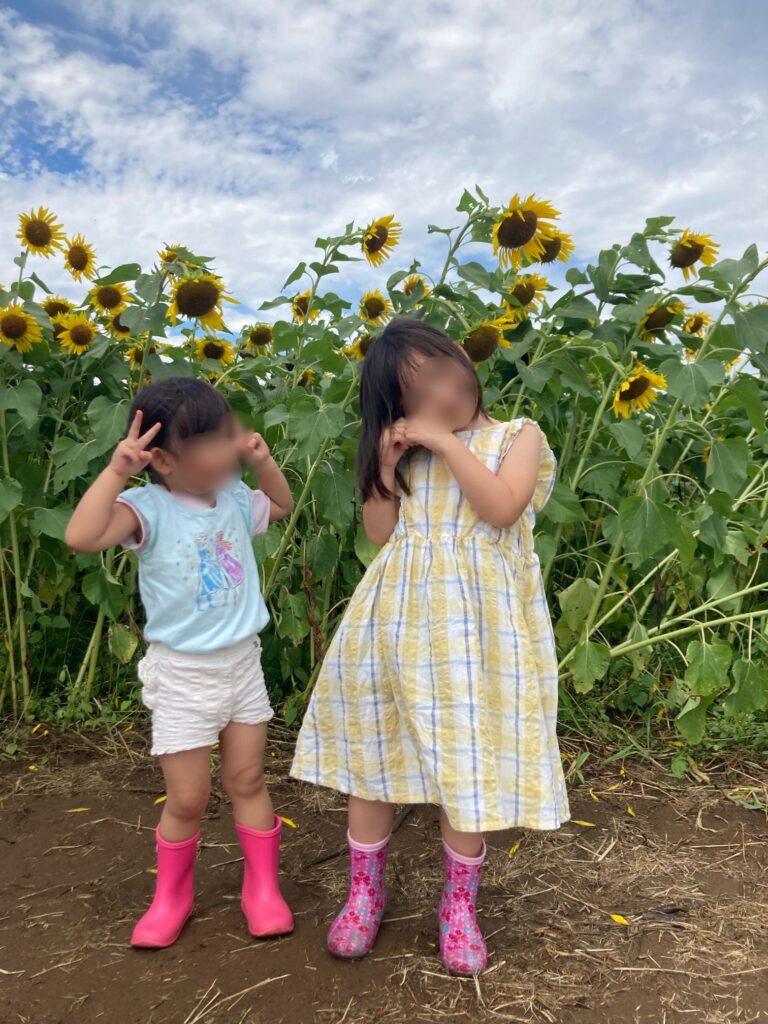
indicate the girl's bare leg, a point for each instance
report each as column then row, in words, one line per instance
column 188, row 786
column 468, row 844
column 370, row 821
column 242, row 774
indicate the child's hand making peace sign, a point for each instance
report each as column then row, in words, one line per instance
column 131, row 455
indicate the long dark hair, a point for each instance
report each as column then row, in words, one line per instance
column 185, row 406
column 385, row 370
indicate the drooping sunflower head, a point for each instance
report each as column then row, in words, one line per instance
column 375, row 308
column 691, row 249
column 380, row 238
column 638, row 390
column 218, row 350
column 18, row 329
column 79, row 258
column 199, row 298
column 526, row 294
column 40, row 232
column 78, row 334
column 308, row 377
column 258, row 336
column 359, row 346
column 138, row 353
column 482, row 341
column 118, row 329
column 300, row 307
column 697, row 323
column 519, row 232
column 55, row 305
column 415, row 281
column 109, row 299
column 656, row 319
column 556, row 245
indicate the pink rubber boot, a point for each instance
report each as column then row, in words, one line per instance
column 462, row 946
column 354, row 931
column 265, row 910
column 174, row 894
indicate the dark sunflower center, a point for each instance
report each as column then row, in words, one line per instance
column 635, row 389
column 377, row 239
column 260, row 336
column 58, row 330
column 550, row 249
column 659, row 318
column 374, row 307
column 212, row 350
column 38, row 233
column 365, row 343
column 119, row 326
column 53, row 307
column 13, row 326
column 685, row 254
column 78, row 257
column 695, row 324
column 196, row 298
column 524, row 292
column 481, row 343
column 517, row 228
column 81, row 335
column 109, row 296
column 301, row 304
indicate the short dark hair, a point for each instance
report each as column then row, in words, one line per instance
column 185, row 406
column 385, row 370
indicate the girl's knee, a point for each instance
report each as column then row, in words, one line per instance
column 244, row 782
column 189, row 802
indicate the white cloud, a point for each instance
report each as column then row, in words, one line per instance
column 246, row 134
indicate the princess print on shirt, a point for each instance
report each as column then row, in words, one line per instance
column 219, row 572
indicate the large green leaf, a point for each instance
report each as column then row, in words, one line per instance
column 692, row 382
column 750, row 688
column 334, row 492
column 310, row 423
column 708, row 665
column 644, row 525
column 322, row 554
column 692, row 719
column 727, row 465
column 589, row 664
column 52, row 521
column 125, row 272
column 107, row 419
column 752, row 327
column 576, row 600
column 24, row 398
column 563, row 505
column 10, row 497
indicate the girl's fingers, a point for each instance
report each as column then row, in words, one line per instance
column 136, row 425
column 144, row 440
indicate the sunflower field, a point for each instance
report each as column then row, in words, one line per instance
column 648, row 372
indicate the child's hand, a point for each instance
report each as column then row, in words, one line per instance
column 253, row 448
column 131, row 456
column 428, row 434
column 393, row 444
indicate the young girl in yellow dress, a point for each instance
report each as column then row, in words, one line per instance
column 440, row 685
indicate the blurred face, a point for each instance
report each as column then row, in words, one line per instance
column 441, row 390
column 201, row 464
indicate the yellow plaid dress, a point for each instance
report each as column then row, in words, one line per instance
column 440, row 684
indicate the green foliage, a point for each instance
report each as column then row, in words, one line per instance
column 652, row 543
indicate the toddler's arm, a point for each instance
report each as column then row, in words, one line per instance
column 271, row 479
column 99, row 520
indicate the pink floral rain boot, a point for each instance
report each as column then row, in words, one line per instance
column 174, row 894
column 265, row 910
column 462, row 947
column 354, row 931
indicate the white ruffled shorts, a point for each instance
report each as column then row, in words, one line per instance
column 194, row 696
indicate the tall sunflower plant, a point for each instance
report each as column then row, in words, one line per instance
column 647, row 369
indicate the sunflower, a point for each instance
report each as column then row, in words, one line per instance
column 556, row 245
column 638, row 390
column 521, row 229
column 307, row 378
column 110, row 299
column 219, row 350
column 40, row 233
column 79, row 258
column 118, row 329
column 483, row 340
column 55, row 305
column 359, row 346
column 410, row 284
column 374, row 307
column 300, row 308
column 199, row 298
column 78, row 333
column 527, row 292
column 136, row 354
column 697, row 323
column 258, row 336
column 18, row 329
column 657, row 318
column 380, row 238
column 690, row 249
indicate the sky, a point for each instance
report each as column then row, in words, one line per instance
column 244, row 130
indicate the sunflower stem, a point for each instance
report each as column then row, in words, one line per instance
column 696, row 627
column 16, row 561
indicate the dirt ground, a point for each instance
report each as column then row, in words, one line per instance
column 651, row 906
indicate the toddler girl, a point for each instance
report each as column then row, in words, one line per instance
column 191, row 528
